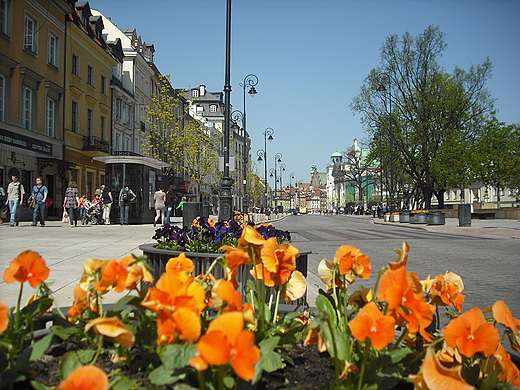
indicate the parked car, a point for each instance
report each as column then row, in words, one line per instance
column 293, row 211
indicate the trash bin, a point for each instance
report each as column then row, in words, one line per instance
column 190, row 211
column 205, row 211
column 464, row 215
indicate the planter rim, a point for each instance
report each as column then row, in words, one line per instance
column 153, row 248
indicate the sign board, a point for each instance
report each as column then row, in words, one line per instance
column 231, row 164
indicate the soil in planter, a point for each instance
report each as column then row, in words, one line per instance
column 311, row 370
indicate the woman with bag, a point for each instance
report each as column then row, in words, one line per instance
column 71, row 203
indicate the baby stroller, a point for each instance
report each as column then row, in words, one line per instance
column 93, row 213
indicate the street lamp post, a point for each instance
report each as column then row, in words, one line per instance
column 262, row 155
column 277, row 158
column 249, row 82
column 383, row 89
column 282, row 168
column 225, row 199
column 291, row 176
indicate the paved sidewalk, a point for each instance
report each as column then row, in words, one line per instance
column 502, row 228
column 65, row 249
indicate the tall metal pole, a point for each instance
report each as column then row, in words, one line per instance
column 268, row 135
column 226, row 200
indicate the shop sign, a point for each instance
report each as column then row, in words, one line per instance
column 24, row 142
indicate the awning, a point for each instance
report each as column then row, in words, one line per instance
column 148, row 161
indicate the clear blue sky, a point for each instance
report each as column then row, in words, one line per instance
column 311, row 57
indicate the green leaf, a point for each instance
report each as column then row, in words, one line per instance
column 490, row 381
column 323, row 304
column 270, row 360
column 229, row 382
column 122, row 383
column 39, row 347
column 39, row 386
column 178, row 355
column 65, row 332
column 85, row 356
column 399, row 354
column 162, row 376
column 125, row 301
column 68, row 364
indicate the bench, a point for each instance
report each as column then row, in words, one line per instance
column 483, row 215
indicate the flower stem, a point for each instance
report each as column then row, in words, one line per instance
column 363, row 364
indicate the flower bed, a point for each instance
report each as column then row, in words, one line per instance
column 196, row 329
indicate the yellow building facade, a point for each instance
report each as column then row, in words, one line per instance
column 32, row 69
column 88, row 105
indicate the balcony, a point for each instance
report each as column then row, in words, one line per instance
column 95, row 146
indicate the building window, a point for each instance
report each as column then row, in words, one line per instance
column 2, row 98
column 74, row 123
column 51, row 117
column 195, row 93
column 102, row 127
column 90, row 71
column 4, row 16
column 89, row 123
column 52, row 50
column 103, row 85
column 75, row 65
column 118, row 108
column 30, row 34
column 27, row 101
column 118, row 142
column 127, row 113
column 213, row 108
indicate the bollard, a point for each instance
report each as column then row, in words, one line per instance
column 464, row 215
column 190, row 212
column 205, row 211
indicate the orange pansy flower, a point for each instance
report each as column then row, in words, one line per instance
column 509, row 371
column 4, row 317
column 503, row 315
column 351, row 260
column 181, row 324
column 225, row 297
column 314, row 337
column 278, row 263
column 112, row 327
column 139, row 271
column 178, row 264
column 446, row 290
column 250, row 236
column 470, row 333
column 403, row 292
column 27, row 266
column 227, row 342
column 402, row 256
column 85, row 378
column 371, row 323
column 235, row 258
column 434, row 376
column 114, row 275
column 295, row 287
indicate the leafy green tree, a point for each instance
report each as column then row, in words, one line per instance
column 497, row 159
column 414, row 108
column 178, row 139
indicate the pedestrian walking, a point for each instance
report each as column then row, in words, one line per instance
column 160, row 205
column 15, row 193
column 71, row 203
column 170, row 203
column 107, row 200
column 180, row 206
column 82, row 208
column 40, row 193
column 3, row 206
column 126, row 196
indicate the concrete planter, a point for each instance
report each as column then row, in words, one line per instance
column 404, row 217
column 418, row 218
column 158, row 258
column 394, row 217
column 387, row 217
column 437, row 218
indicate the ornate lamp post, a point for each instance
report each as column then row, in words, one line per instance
column 225, row 199
column 277, row 159
column 282, row 168
column 382, row 88
column 262, row 155
column 291, row 176
column 249, row 82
